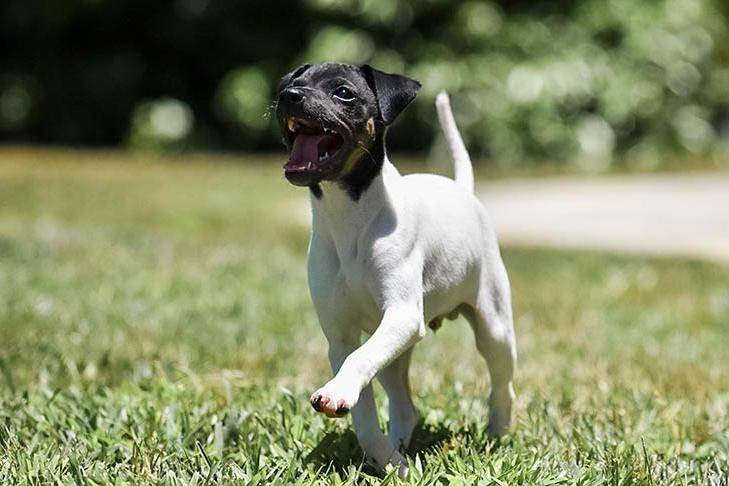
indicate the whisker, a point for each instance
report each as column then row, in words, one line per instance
column 270, row 110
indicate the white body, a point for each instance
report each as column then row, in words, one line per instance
column 411, row 251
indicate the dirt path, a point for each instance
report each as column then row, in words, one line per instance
column 668, row 214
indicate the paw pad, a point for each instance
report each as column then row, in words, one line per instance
column 321, row 403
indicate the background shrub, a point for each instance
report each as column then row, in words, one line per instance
column 588, row 82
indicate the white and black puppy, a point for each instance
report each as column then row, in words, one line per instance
column 389, row 254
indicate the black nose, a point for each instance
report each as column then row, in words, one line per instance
column 291, row 95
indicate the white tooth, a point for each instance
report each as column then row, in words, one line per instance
column 308, row 165
column 326, row 154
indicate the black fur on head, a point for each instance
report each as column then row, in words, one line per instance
column 333, row 118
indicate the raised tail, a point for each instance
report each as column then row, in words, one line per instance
column 461, row 159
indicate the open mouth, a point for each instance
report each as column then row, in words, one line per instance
column 311, row 145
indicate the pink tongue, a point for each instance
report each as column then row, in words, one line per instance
column 305, row 149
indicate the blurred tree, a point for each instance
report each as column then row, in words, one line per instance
column 583, row 81
column 85, row 67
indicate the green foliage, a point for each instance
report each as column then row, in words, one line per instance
column 156, row 327
column 242, row 98
column 586, row 82
column 163, row 124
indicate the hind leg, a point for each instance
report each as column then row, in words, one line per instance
column 403, row 415
column 493, row 327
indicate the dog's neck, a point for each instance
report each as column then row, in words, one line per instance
column 339, row 216
column 360, row 190
column 367, row 168
column 363, row 172
column 333, row 199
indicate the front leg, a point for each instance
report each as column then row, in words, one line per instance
column 377, row 448
column 401, row 327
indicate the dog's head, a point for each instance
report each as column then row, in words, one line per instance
column 330, row 115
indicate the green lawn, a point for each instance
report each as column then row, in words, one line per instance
column 155, row 326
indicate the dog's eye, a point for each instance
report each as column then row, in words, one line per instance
column 343, row 93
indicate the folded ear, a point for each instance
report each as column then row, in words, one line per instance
column 283, row 82
column 393, row 91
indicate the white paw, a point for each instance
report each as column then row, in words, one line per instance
column 401, row 464
column 334, row 400
column 396, row 461
column 500, row 412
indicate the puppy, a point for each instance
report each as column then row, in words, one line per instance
column 389, row 254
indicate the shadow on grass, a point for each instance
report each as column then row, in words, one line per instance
column 338, row 451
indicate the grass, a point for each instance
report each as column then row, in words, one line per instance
column 155, row 326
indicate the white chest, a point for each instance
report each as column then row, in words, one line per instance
column 338, row 279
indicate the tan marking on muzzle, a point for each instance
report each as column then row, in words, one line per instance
column 351, row 161
column 371, row 127
column 357, row 153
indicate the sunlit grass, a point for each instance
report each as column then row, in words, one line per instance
column 155, row 325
